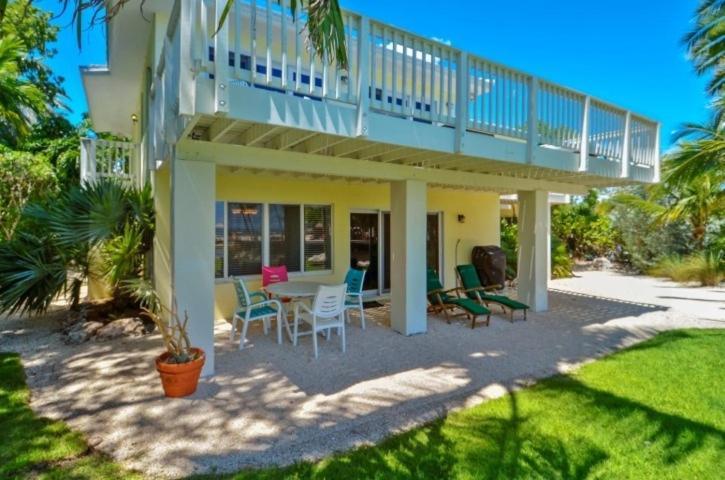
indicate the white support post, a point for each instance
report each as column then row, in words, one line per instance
column 408, row 256
column 532, row 143
column 363, row 77
column 462, row 86
column 193, row 192
column 584, row 141
column 88, row 159
column 626, row 141
column 221, row 62
column 534, row 245
column 187, row 71
column 656, row 159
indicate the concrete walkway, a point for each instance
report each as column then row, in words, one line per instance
column 272, row 404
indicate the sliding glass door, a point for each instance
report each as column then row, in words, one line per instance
column 365, row 247
column 370, row 247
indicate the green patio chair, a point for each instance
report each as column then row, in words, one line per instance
column 475, row 291
column 255, row 306
column 441, row 301
column 355, row 280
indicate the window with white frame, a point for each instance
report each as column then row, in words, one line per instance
column 249, row 235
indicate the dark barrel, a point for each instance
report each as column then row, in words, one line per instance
column 490, row 262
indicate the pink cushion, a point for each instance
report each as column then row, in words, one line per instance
column 274, row 275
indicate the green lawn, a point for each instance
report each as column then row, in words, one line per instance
column 32, row 447
column 653, row 411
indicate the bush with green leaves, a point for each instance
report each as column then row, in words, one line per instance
column 561, row 262
column 706, row 268
column 24, row 177
column 584, row 230
column 510, row 246
column 54, row 249
column 644, row 237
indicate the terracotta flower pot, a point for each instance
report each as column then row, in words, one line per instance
column 180, row 379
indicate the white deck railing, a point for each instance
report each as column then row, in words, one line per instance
column 395, row 72
column 109, row 159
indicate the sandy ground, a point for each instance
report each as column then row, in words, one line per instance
column 272, row 404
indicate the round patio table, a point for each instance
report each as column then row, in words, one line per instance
column 296, row 291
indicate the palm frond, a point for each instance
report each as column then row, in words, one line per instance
column 20, row 100
column 324, row 25
column 33, row 273
column 705, row 43
column 122, row 256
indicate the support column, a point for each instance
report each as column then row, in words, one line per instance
column 408, row 260
column 534, row 249
column 193, row 192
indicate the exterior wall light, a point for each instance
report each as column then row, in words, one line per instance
column 134, row 118
column 461, row 218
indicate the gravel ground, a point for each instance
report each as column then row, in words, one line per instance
column 272, row 404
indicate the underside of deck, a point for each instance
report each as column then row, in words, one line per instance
column 232, row 132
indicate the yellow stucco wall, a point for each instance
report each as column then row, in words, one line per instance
column 481, row 226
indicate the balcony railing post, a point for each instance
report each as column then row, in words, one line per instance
column 363, row 77
column 221, row 62
column 626, row 140
column 462, row 88
column 88, row 159
column 186, row 45
column 584, row 141
column 532, row 128
column 656, row 159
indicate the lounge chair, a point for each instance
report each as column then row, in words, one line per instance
column 475, row 291
column 441, row 300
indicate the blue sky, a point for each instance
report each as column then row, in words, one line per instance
column 627, row 52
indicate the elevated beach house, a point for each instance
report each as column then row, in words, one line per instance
column 261, row 154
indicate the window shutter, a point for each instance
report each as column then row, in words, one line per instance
column 318, row 242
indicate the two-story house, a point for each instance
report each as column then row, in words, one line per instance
column 260, row 153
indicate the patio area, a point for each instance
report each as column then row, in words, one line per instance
column 272, row 404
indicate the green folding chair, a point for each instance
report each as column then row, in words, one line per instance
column 475, row 291
column 441, row 301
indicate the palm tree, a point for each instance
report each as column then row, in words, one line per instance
column 698, row 202
column 324, row 26
column 20, row 101
column 103, row 227
column 700, row 151
column 706, row 44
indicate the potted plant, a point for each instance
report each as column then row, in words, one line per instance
column 180, row 365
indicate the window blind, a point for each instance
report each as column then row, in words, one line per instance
column 244, row 238
column 219, row 240
column 317, row 241
column 284, row 236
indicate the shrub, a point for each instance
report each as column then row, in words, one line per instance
column 561, row 263
column 706, row 268
column 586, row 232
column 510, row 246
column 56, row 242
column 24, row 177
column 645, row 240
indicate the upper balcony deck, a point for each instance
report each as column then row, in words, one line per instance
column 404, row 98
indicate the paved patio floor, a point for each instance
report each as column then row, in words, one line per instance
column 272, row 404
